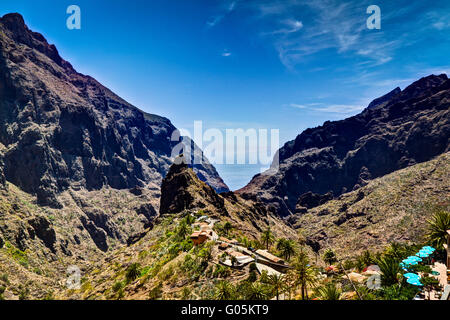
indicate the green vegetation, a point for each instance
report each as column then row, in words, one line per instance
column 329, row 256
column 437, row 228
column 2, row 291
column 267, row 238
column 156, row 292
column 305, row 274
column 329, row 291
column 225, row 291
column 390, row 270
column 133, row 272
column 18, row 255
column 286, row 248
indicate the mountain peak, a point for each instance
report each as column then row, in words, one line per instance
column 13, row 20
column 73, row 131
column 424, row 84
column 16, row 29
column 383, row 99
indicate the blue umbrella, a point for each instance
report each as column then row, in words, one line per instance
column 423, row 254
column 411, row 275
column 414, row 281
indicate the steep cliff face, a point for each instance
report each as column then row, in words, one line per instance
column 398, row 130
column 60, row 129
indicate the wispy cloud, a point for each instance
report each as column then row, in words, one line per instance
column 309, row 27
column 216, row 19
column 334, row 108
column 226, row 53
column 290, row 26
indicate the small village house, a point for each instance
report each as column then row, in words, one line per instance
column 199, row 237
column 270, row 257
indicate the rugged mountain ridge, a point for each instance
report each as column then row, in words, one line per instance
column 182, row 191
column 393, row 208
column 398, row 130
column 61, row 129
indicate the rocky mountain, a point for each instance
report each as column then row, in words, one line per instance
column 182, row 190
column 393, row 208
column 169, row 266
column 398, row 130
column 60, row 129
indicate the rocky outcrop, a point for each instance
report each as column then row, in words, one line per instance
column 398, row 130
column 392, row 208
column 98, row 235
column 62, row 129
column 310, row 200
column 384, row 99
column 182, row 190
column 44, row 231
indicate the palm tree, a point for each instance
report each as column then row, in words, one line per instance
column 224, row 290
column 390, row 270
column 227, row 227
column 329, row 256
column 183, row 230
column 290, row 281
column 306, row 275
column 286, row 248
column 329, row 291
column 267, row 238
column 257, row 292
column 276, row 281
column 437, row 228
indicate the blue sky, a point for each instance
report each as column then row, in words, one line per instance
column 285, row 65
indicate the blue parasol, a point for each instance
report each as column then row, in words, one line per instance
column 414, row 281
column 423, row 254
column 411, row 275
column 414, row 258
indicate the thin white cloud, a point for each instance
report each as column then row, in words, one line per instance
column 333, row 108
column 292, row 26
column 329, row 25
column 226, row 53
column 214, row 20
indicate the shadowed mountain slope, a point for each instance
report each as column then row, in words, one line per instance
column 61, row 129
column 398, row 130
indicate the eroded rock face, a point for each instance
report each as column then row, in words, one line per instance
column 44, row 231
column 310, row 200
column 182, row 190
column 398, row 130
column 63, row 129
